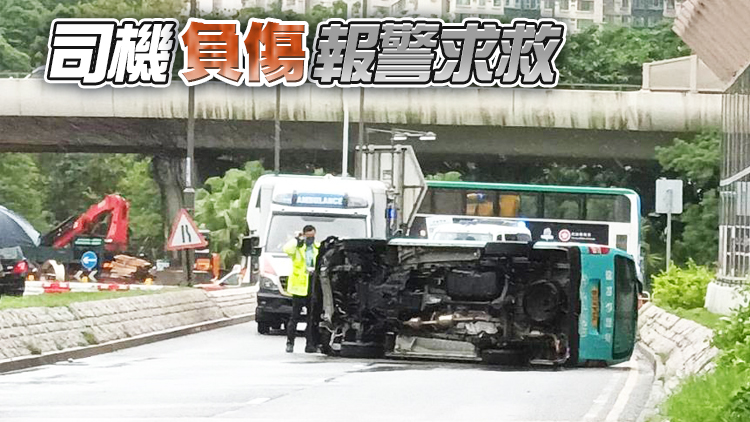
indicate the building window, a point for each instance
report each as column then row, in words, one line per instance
column 585, row 23
column 564, row 4
column 626, row 20
column 462, row 2
column 625, row 4
column 586, row 5
column 497, row 3
column 507, row 3
column 549, row 4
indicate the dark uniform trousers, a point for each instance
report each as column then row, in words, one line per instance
column 313, row 315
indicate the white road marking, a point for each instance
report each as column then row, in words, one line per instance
column 602, row 399
column 625, row 393
column 257, row 401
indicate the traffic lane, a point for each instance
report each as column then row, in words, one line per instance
column 234, row 372
column 387, row 390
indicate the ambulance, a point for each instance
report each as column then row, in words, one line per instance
column 281, row 205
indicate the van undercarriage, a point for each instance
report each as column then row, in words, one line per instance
column 504, row 303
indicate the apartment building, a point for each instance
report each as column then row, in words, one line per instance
column 577, row 14
column 580, row 14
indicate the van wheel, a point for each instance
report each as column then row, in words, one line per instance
column 264, row 328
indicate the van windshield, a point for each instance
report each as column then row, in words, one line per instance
column 283, row 226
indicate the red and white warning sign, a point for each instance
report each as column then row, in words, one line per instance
column 564, row 235
column 185, row 234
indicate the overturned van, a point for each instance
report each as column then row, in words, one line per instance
column 500, row 303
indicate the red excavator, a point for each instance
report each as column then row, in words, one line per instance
column 116, row 239
column 65, row 244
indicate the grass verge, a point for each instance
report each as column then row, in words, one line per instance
column 700, row 315
column 707, row 398
column 65, row 299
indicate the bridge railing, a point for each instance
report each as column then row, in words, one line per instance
column 578, row 86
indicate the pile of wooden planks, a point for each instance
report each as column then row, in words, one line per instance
column 128, row 267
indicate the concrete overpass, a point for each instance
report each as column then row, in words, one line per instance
column 480, row 122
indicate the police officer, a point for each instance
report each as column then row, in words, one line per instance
column 304, row 251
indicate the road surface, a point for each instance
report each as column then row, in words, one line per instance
column 234, row 372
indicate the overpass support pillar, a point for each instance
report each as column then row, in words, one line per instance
column 169, row 173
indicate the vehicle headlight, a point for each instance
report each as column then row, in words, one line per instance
column 267, row 284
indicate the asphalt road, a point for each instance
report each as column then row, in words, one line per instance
column 235, row 373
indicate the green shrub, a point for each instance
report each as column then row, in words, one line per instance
column 739, row 406
column 733, row 338
column 682, row 287
column 221, row 207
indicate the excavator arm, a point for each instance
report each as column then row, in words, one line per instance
column 116, row 239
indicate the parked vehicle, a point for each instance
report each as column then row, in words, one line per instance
column 13, row 271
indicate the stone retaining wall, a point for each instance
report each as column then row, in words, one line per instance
column 680, row 347
column 35, row 331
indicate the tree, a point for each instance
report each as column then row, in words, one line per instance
column 221, row 208
column 20, row 186
column 615, row 54
column 584, row 175
column 451, row 176
column 697, row 162
column 146, row 224
column 19, row 23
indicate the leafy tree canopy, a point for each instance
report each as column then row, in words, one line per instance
column 615, row 54
column 697, row 162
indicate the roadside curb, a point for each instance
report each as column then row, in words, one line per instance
column 656, row 395
column 15, row 364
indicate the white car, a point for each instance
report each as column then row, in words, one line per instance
column 504, row 232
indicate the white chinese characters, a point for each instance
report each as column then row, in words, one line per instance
column 101, row 52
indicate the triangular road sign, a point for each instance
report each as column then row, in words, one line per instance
column 185, row 234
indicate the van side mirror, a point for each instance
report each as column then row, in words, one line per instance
column 251, row 246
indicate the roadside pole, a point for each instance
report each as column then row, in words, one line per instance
column 188, row 194
column 277, row 132
column 345, row 140
column 669, row 228
column 361, row 140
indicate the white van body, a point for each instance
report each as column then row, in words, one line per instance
column 501, row 232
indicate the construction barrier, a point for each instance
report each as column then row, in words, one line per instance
column 56, row 287
column 40, row 287
column 114, row 287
